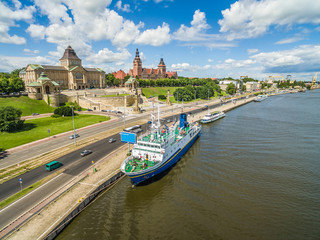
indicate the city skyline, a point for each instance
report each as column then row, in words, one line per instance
column 196, row 39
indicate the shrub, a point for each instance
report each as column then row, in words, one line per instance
column 10, row 119
column 63, row 111
column 162, row 97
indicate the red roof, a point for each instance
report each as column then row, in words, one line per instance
column 120, row 74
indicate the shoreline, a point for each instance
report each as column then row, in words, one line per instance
column 54, row 212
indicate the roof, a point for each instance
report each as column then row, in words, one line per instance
column 69, row 53
column 93, row 69
column 43, row 77
column 34, row 84
column 35, row 66
column 49, row 67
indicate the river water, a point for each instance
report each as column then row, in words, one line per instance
column 253, row 175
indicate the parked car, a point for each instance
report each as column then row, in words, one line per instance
column 89, row 109
column 149, row 122
column 111, row 140
column 34, row 114
column 103, row 110
column 119, row 112
column 72, row 136
column 169, row 120
column 85, row 153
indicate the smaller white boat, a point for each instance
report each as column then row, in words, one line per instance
column 260, row 98
column 211, row 117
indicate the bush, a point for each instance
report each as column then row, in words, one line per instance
column 162, row 97
column 63, row 111
column 10, row 119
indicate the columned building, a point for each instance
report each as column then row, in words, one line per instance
column 150, row 73
column 69, row 75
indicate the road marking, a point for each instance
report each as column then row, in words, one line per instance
column 30, row 192
column 95, row 185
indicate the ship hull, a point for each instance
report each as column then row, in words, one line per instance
column 139, row 178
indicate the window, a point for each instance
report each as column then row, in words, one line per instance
column 79, row 75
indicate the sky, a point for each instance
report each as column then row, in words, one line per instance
column 215, row 38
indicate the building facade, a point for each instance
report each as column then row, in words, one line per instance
column 149, row 73
column 69, row 75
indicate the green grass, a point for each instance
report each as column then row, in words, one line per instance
column 115, row 95
column 27, row 105
column 36, row 129
column 156, row 91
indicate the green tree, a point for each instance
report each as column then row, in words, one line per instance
column 243, row 88
column 5, row 85
column 231, row 89
column 10, row 119
column 63, row 111
column 16, row 84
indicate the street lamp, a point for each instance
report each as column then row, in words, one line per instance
column 124, row 113
column 74, row 130
column 195, row 96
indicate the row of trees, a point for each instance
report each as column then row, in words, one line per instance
column 11, row 82
column 190, row 92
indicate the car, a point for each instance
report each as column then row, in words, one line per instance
column 72, row 136
column 103, row 110
column 89, row 110
column 119, row 112
column 34, row 114
column 149, row 122
column 111, row 140
column 85, row 153
column 169, row 120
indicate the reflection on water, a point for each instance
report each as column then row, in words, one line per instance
column 253, row 175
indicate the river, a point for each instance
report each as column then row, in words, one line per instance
column 253, row 175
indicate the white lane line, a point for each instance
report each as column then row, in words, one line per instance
column 30, row 193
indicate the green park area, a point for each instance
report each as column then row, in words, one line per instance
column 156, row 91
column 36, row 129
column 27, row 105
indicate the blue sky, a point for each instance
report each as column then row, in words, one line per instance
column 196, row 38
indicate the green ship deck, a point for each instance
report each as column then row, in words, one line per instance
column 137, row 165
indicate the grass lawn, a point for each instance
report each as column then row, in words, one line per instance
column 26, row 104
column 156, row 91
column 36, row 129
column 115, row 95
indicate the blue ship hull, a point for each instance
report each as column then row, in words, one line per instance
column 139, row 178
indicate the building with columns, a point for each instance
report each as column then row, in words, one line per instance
column 69, row 75
column 149, row 73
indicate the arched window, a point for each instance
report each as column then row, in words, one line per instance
column 79, row 75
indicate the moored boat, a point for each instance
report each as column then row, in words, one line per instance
column 260, row 98
column 211, row 117
column 159, row 149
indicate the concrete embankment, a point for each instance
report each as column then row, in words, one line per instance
column 52, row 218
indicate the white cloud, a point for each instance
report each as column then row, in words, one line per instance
column 107, row 56
column 155, row 37
column 252, row 18
column 196, row 31
column 8, row 64
column 8, row 17
column 230, row 64
column 289, row 40
column 187, row 67
column 210, row 60
column 252, row 51
column 28, row 51
column 304, row 58
column 125, row 8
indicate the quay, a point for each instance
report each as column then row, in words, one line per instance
column 50, row 216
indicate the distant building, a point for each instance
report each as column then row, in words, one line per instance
column 69, row 75
column 224, row 84
column 252, row 86
column 150, row 73
column 119, row 74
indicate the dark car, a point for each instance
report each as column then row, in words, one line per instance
column 72, row 136
column 103, row 110
column 85, row 153
column 111, row 140
column 89, row 110
column 34, row 114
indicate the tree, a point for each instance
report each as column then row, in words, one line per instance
column 10, row 119
column 16, row 84
column 231, row 89
column 63, row 111
column 243, row 88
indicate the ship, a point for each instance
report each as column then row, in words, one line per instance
column 211, row 117
column 260, row 98
column 159, row 149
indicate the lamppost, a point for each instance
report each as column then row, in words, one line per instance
column 124, row 114
column 74, row 130
column 195, row 96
